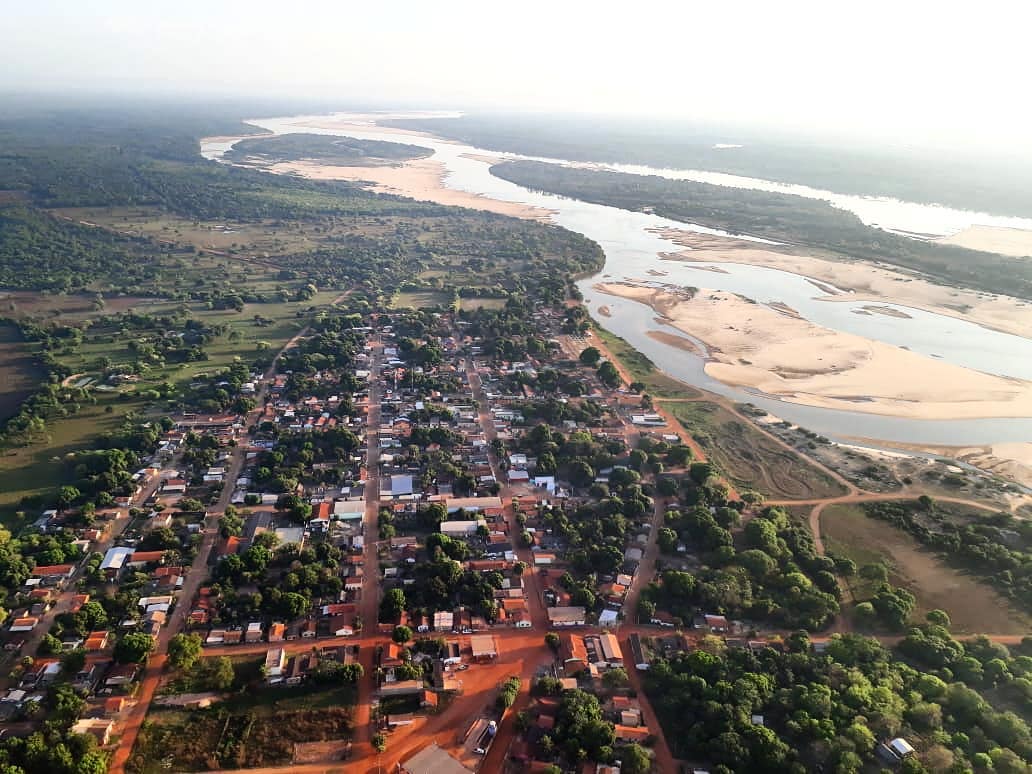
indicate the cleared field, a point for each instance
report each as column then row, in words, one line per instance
column 469, row 304
column 750, row 459
column 974, row 607
column 657, row 384
column 18, row 369
column 224, row 737
column 418, row 299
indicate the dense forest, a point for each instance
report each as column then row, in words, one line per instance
column 84, row 161
column 338, row 151
column 983, row 182
column 781, row 217
column 793, row 710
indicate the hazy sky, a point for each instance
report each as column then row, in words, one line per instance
column 930, row 71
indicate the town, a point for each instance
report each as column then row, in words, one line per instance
column 470, row 559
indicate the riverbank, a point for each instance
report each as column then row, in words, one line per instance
column 1012, row 461
column 861, row 281
column 774, row 352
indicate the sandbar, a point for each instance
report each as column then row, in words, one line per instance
column 365, row 122
column 1013, row 242
column 862, row 281
column 421, row 179
column 673, row 340
column 755, row 346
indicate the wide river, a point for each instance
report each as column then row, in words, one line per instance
column 632, row 249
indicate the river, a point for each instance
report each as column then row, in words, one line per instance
column 632, row 248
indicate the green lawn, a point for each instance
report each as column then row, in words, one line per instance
column 657, row 383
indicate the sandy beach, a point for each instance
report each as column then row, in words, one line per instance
column 484, row 158
column 420, row 179
column 755, row 346
column 363, row 122
column 1014, row 242
column 863, row 281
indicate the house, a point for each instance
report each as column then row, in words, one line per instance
column 717, row 624
column 573, row 654
column 95, row 727
column 900, row 748
column 275, row 661
column 277, row 632
column 477, row 504
column 608, row 619
column 567, row 616
column 391, row 656
column 428, row 700
column 611, row 653
column 24, row 624
column 96, row 641
column 340, row 626
column 483, row 647
column 254, row 632
column 631, row 716
column 114, row 704
column 638, row 653
column 402, row 688
column 631, row 733
column 121, row 674
column 433, row 760
column 114, row 560
column 461, row 529
column 53, row 573
column 300, row 666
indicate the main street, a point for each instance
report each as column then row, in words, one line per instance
column 370, row 604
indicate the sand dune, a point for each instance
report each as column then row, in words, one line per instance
column 754, row 346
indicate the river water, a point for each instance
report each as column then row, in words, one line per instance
column 632, row 249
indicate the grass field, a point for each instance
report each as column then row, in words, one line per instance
column 38, row 468
column 657, row 384
column 750, row 459
column 973, row 606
